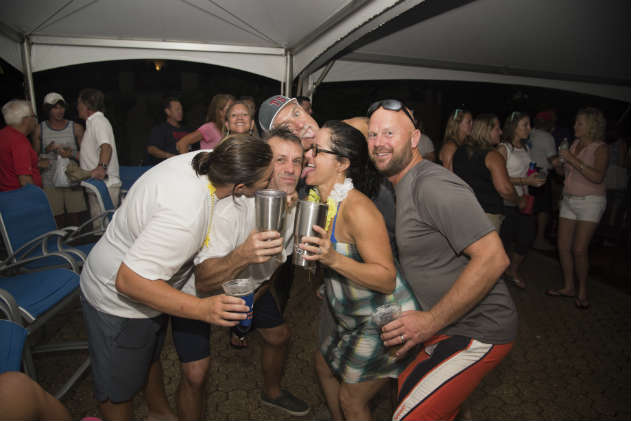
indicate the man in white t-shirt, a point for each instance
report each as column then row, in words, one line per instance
column 236, row 250
column 98, row 148
column 133, row 276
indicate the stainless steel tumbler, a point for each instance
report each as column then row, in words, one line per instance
column 308, row 214
column 270, row 208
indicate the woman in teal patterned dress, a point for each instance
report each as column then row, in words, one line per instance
column 359, row 273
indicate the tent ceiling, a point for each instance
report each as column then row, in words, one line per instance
column 576, row 45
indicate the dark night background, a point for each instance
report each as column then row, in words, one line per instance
column 133, row 91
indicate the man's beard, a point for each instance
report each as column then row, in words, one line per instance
column 396, row 164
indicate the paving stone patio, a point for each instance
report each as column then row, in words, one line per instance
column 566, row 363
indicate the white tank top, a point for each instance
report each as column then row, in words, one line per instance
column 64, row 137
column 517, row 161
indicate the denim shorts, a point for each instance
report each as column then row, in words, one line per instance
column 121, row 351
column 582, row 208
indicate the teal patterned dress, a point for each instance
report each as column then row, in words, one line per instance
column 349, row 339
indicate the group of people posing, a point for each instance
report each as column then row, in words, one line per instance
column 187, row 225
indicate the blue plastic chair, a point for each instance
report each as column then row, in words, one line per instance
column 129, row 175
column 12, row 338
column 31, row 300
column 99, row 189
column 28, row 231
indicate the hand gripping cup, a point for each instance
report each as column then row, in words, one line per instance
column 241, row 288
column 308, row 214
column 386, row 313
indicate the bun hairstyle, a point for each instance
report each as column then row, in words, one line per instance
column 351, row 144
column 238, row 159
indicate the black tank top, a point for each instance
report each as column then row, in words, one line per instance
column 477, row 175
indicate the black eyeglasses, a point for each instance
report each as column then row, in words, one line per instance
column 392, row 105
column 316, row 150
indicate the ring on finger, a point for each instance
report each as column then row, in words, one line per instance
column 402, row 337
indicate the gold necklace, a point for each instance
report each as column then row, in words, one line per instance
column 211, row 192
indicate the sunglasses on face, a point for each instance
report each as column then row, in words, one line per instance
column 391, row 105
column 316, row 150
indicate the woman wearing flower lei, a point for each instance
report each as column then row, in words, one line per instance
column 359, row 273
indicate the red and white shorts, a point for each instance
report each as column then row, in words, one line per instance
column 443, row 375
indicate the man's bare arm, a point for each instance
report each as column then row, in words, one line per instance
column 258, row 248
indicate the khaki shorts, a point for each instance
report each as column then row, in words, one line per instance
column 69, row 199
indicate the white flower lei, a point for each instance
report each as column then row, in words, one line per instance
column 340, row 190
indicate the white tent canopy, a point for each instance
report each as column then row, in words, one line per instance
column 576, row 45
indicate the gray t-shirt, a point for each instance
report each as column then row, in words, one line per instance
column 438, row 217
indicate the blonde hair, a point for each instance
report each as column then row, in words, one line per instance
column 596, row 123
column 481, row 132
column 453, row 123
column 217, row 103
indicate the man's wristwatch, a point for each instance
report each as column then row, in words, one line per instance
column 102, row 165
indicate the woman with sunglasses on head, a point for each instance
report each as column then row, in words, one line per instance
column 359, row 273
column 584, row 200
column 518, row 228
column 458, row 128
column 484, row 169
column 209, row 134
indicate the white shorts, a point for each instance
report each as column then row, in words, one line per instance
column 582, row 208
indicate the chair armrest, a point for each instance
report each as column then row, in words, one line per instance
column 10, row 307
column 31, row 245
column 64, row 255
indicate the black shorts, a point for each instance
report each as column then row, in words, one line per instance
column 121, row 351
column 192, row 337
column 543, row 198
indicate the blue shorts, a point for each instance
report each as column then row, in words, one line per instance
column 121, row 351
column 192, row 337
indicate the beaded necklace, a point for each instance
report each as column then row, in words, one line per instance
column 211, row 193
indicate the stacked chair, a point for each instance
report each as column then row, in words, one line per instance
column 129, row 175
column 39, row 277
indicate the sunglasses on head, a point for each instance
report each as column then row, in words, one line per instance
column 316, row 150
column 392, row 105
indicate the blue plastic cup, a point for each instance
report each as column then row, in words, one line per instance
column 242, row 288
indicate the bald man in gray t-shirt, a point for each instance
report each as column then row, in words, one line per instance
column 452, row 257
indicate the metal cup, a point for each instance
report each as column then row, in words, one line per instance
column 308, row 214
column 270, row 206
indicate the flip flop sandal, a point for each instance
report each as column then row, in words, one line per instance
column 581, row 304
column 519, row 284
column 243, row 342
column 558, row 293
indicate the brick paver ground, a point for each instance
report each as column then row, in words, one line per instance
column 566, row 363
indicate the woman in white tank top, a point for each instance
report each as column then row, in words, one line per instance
column 518, row 229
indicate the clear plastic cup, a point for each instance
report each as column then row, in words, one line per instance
column 386, row 313
column 241, row 288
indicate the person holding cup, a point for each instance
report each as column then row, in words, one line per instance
column 518, row 227
column 359, row 272
column 239, row 250
column 134, row 274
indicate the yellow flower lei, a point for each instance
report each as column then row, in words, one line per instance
column 211, row 192
column 315, row 197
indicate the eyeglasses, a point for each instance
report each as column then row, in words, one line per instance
column 316, row 150
column 392, row 105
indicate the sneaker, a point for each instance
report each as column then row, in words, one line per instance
column 287, row 402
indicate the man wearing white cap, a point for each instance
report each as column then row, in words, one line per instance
column 58, row 137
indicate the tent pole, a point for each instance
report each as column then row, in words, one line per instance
column 289, row 74
column 28, row 73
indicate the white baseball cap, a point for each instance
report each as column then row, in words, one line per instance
column 53, row 98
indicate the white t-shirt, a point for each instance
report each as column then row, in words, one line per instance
column 542, row 148
column 232, row 223
column 157, row 231
column 98, row 131
column 425, row 145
